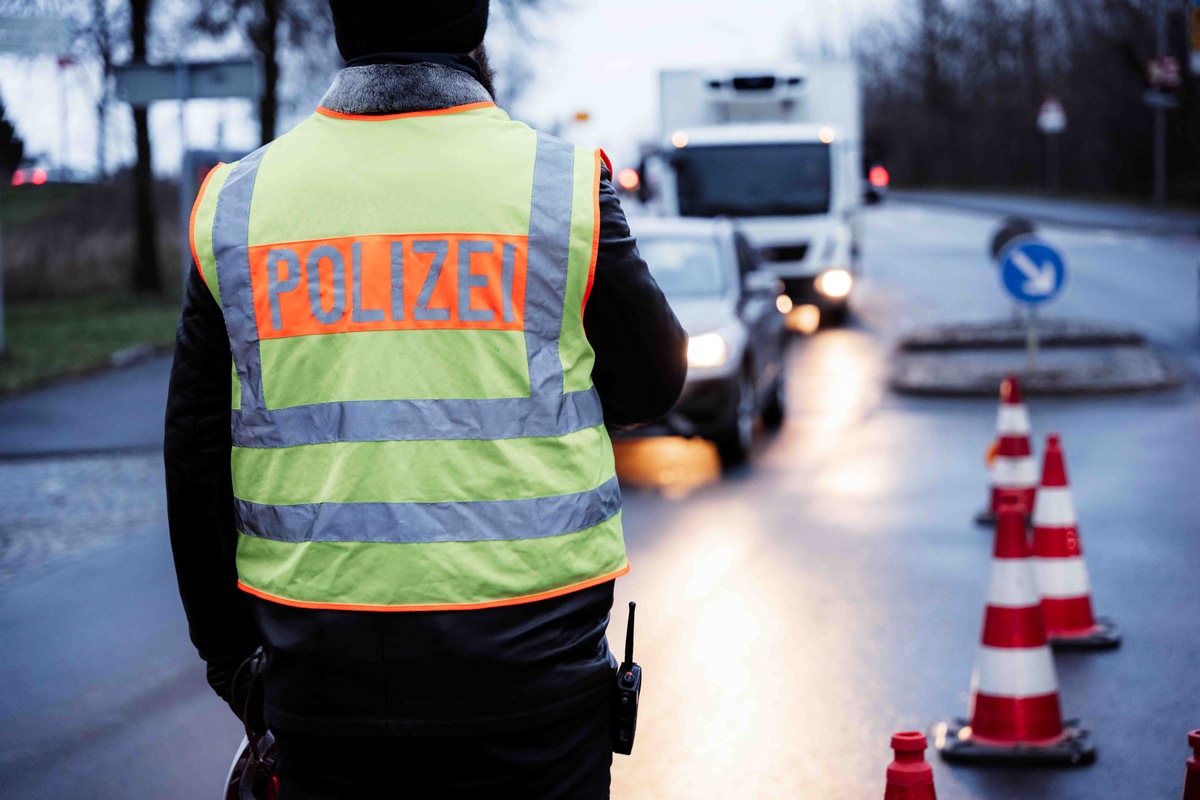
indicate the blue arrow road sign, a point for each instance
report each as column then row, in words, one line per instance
column 1033, row 271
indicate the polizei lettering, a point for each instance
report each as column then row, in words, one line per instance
column 389, row 283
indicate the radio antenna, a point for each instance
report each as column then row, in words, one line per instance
column 629, row 634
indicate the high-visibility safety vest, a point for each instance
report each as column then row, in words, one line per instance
column 414, row 424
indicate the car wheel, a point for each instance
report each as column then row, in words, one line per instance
column 776, row 408
column 734, row 443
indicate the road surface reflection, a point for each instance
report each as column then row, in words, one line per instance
column 673, row 465
column 749, row 632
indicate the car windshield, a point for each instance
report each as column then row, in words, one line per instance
column 752, row 180
column 684, row 266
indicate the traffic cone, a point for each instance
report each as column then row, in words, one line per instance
column 1014, row 713
column 1010, row 458
column 1191, row 779
column 1058, row 564
column 908, row 776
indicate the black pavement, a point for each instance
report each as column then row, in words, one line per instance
column 117, row 410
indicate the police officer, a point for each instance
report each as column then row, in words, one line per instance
column 411, row 323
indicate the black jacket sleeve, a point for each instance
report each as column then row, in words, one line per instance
column 196, row 451
column 641, row 349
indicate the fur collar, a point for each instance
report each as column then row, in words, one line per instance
column 401, row 88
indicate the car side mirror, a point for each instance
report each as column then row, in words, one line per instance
column 762, row 282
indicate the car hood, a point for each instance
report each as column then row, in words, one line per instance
column 704, row 314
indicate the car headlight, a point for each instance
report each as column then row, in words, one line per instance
column 707, row 350
column 835, row 283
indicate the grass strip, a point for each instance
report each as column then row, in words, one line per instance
column 51, row 339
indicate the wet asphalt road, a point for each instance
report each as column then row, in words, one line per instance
column 792, row 614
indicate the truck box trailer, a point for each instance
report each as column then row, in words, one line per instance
column 780, row 150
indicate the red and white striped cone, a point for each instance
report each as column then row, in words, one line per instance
column 909, row 776
column 1014, row 713
column 1010, row 459
column 1058, row 564
column 1191, row 778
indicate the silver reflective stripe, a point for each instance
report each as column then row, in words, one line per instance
column 407, row 420
column 549, row 246
column 422, row 523
column 231, row 245
column 547, row 412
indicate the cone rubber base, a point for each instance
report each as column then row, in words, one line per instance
column 1106, row 636
column 1075, row 749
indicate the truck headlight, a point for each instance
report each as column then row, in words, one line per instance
column 835, row 283
column 707, row 350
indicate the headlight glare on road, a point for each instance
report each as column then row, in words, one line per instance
column 804, row 319
column 835, row 283
column 707, row 350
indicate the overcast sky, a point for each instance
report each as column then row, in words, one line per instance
column 604, row 57
column 593, row 56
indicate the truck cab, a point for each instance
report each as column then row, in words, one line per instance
column 780, row 151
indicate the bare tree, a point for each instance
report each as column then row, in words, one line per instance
column 146, row 277
column 270, row 26
column 100, row 38
column 952, row 91
column 511, row 42
column 12, row 149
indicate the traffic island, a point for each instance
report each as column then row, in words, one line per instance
column 1074, row 358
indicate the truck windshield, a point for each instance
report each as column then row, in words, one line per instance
column 683, row 267
column 752, row 180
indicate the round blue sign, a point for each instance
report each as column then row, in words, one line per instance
column 1032, row 271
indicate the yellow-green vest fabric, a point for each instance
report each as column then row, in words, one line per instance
column 414, row 424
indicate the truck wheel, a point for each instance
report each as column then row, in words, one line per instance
column 734, row 443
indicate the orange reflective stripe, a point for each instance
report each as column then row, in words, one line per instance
column 382, row 117
column 511, row 601
column 595, row 230
column 469, row 281
column 192, row 219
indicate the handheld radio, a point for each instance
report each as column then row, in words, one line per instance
column 627, row 688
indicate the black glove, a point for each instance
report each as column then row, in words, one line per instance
column 238, row 683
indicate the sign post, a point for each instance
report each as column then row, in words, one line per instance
column 1033, row 273
column 1162, row 73
column 1052, row 121
column 142, row 84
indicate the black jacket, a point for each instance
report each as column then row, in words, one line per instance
column 421, row 673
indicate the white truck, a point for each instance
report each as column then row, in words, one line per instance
column 779, row 149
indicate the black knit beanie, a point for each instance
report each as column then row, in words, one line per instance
column 363, row 27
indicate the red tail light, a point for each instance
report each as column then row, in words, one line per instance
column 878, row 176
column 629, row 179
column 18, row 177
column 39, row 177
